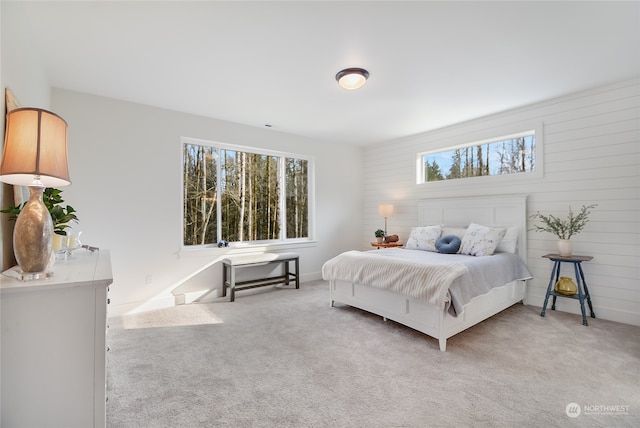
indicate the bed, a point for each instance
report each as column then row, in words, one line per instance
column 390, row 282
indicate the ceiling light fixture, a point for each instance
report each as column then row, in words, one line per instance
column 352, row 78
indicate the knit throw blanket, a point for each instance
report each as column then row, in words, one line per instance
column 429, row 282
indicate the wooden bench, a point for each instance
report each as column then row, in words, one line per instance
column 232, row 263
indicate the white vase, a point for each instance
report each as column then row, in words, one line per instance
column 565, row 247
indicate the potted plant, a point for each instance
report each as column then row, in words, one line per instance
column 564, row 229
column 379, row 235
column 60, row 215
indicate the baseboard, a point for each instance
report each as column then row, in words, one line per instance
column 205, row 296
column 316, row 276
column 169, row 300
column 573, row 307
column 158, row 302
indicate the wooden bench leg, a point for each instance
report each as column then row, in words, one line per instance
column 286, row 272
column 297, row 260
column 232, row 284
column 224, row 280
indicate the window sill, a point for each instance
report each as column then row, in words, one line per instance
column 243, row 248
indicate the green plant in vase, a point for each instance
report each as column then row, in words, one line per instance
column 564, row 229
column 61, row 215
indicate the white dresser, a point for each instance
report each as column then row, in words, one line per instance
column 52, row 366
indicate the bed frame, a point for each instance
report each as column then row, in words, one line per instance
column 509, row 210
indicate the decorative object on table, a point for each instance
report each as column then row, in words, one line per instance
column 60, row 245
column 379, row 235
column 391, row 238
column 385, row 210
column 61, row 216
column 565, row 247
column 74, row 242
column 566, row 286
column 564, row 229
column 34, row 155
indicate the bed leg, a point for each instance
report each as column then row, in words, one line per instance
column 443, row 344
column 331, row 303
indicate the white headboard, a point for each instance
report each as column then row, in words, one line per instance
column 502, row 210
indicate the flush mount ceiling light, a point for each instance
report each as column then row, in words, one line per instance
column 352, row 78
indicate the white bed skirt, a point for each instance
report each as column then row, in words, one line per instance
column 423, row 316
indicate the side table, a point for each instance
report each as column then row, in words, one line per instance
column 387, row 245
column 583, row 290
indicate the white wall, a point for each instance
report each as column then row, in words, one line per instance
column 125, row 163
column 22, row 69
column 591, row 155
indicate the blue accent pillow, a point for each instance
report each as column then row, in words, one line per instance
column 449, row 244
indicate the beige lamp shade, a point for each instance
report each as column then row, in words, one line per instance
column 385, row 210
column 35, row 147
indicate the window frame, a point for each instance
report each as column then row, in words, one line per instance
column 486, row 137
column 282, row 241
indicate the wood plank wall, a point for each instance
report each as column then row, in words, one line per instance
column 591, row 156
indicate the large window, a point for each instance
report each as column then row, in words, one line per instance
column 239, row 194
column 510, row 154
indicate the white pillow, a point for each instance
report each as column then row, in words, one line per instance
column 423, row 238
column 509, row 243
column 481, row 240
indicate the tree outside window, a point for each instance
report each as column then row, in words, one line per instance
column 506, row 155
column 241, row 196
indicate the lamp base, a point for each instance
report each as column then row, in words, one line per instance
column 17, row 273
column 33, row 234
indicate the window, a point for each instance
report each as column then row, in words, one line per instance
column 243, row 195
column 511, row 154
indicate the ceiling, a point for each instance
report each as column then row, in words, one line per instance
column 263, row 63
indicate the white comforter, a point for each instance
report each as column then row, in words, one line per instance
column 448, row 281
column 402, row 275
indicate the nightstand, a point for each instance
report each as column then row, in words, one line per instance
column 387, row 245
column 583, row 290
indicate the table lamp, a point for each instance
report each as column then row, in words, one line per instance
column 34, row 155
column 385, row 210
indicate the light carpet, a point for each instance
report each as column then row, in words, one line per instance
column 284, row 358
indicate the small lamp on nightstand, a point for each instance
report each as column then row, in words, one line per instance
column 385, row 210
column 34, row 155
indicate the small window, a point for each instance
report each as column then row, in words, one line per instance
column 511, row 154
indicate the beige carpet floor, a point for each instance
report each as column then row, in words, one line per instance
column 284, row 358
